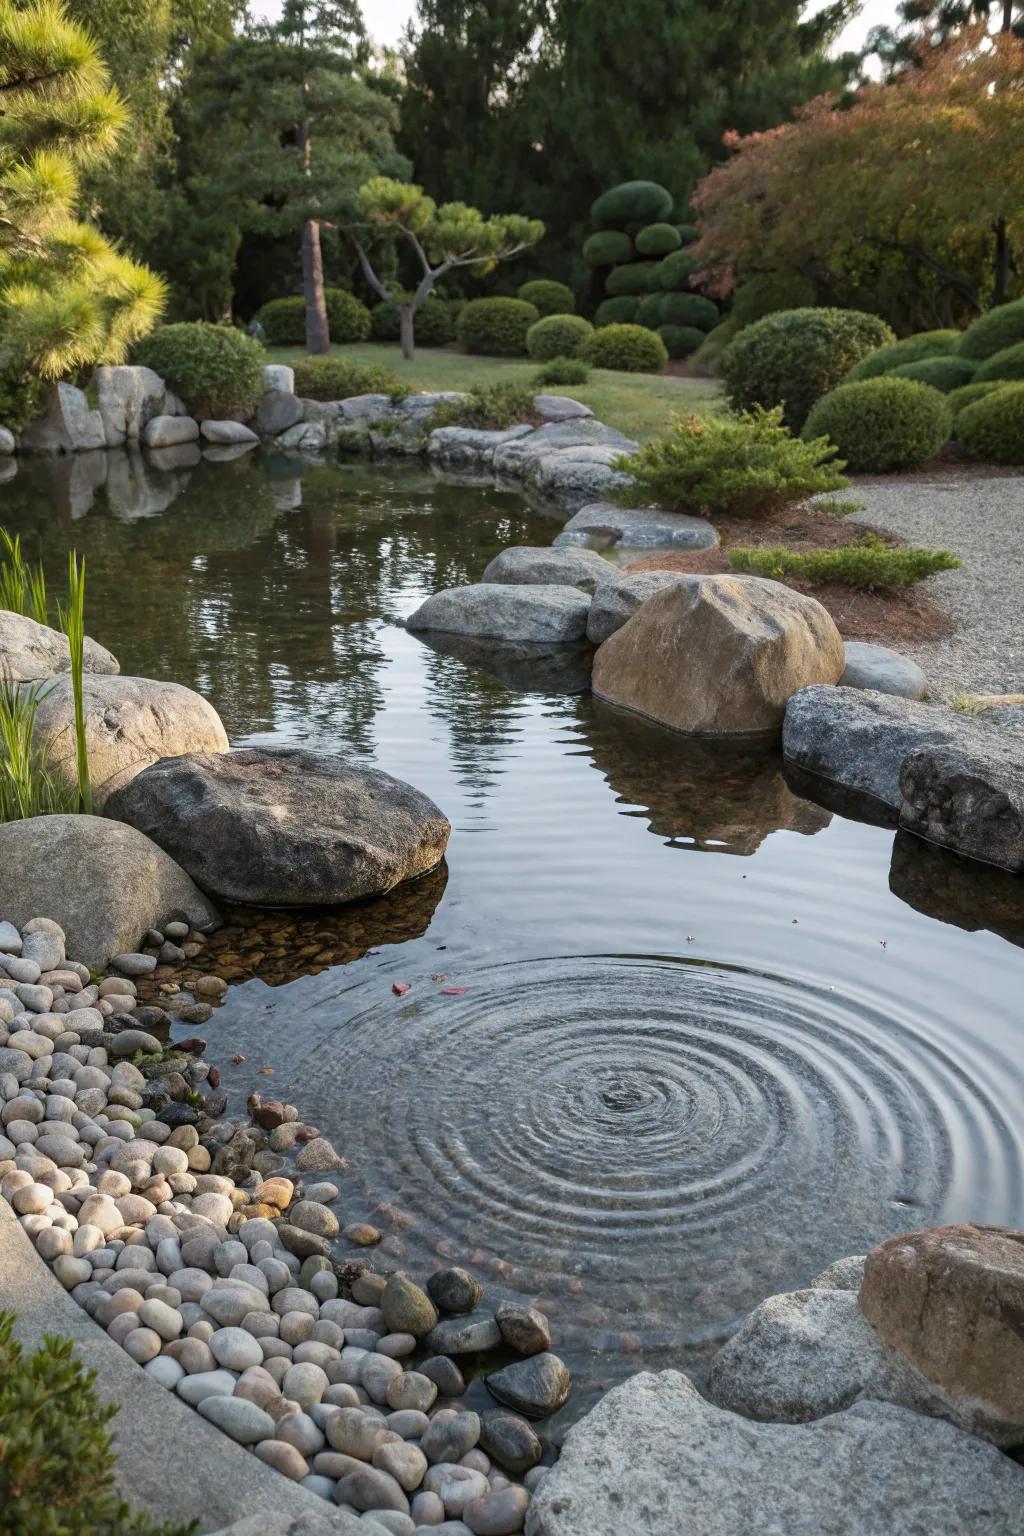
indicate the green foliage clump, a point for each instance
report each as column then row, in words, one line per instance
column 993, row 427
column 675, row 271
column 628, row 348
column 557, row 336
column 689, row 309
column 631, row 202
column 434, row 323
column 550, row 298
column 942, row 373
column 792, row 358
column 1007, row 365
column 496, row 327
column 994, row 332
column 658, row 240
column 606, row 248
column 707, row 358
column 767, row 294
column 22, row 397
column 882, row 424
column 637, row 277
column 347, row 319
column 334, row 378
column 215, row 369
column 648, row 311
column 748, row 464
column 562, row 370
column 680, row 340
column 966, row 395
column 621, row 311
column 56, row 1452
column 897, row 354
column 868, row 563
column 489, row 408
column 284, row 320
column 688, row 233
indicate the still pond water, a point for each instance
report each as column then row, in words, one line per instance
column 704, row 1036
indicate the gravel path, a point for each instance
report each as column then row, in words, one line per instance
column 982, row 521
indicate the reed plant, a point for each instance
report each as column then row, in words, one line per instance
column 22, row 586
column 72, row 622
column 26, row 786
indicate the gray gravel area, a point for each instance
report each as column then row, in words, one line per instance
column 981, row 520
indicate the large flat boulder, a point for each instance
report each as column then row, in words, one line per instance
column 104, row 883
column 130, row 722
column 490, row 610
column 529, row 565
column 285, row 828
column 618, row 598
column 471, row 447
column 718, row 655
column 169, row 431
column 604, row 523
column 655, row 1459
column 30, row 651
column 968, row 796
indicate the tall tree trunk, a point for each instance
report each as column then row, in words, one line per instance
column 318, row 334
column 1002, row 283
column 407, row 331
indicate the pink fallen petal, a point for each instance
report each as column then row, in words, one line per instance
column 454, row 991
column 400, row 988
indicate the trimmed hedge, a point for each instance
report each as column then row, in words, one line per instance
column 688, row 233
column 680, row 340
column 557, row 336
column 215, row 369
column 957, row 399
column 496, row 327
column 284, row 320
column 867, row 564
column 691, row 309
column 882, row 424
column 627, row 348
column 636, row 277
column 631, row 202
column 994, row 332
column 434, row 325
column 348, row 319
column 942, row 373
column 1006, row 365
column 648, row 311
column 562, row 370
column 658, row 240
column 675, row 271
column 607, row 248
column 622, row 311
column 993, row 427
column 792, row 358
column 898, row 354
column 334, row 378
column 550, row 298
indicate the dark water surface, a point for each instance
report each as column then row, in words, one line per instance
column 710, row 1037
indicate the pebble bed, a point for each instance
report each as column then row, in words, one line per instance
column 202, row 1245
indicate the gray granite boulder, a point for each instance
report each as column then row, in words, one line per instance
column 490, row 610
column 277, row 411
column 278, row 378
column 655, row 1459
column 104, row 883
column 842, row 1275
column 603, row 524
column 968, row 796
column 7, row 442
column 527, row 565
column 304, row 436
column 286, row 827
column 31, row 651
column 560, row 408
column 127, row 398
column 882, row 669
column 169, row 431
column 470, row 447
column 68, row 424
column 618, row 598
column 228, row 433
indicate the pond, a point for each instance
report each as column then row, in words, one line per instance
column 675, row 1037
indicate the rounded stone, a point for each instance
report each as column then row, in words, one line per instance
column 454, row 1291
column 284, row 1458
column 235, row 1349
column 536, row 1387
column 411, row 1390
column 509, row 1440
column 405, row 1463
column 369, row 1489
column 499, row 1513
column 143, row 1344
column 448, row 1439
column 242, row 1420
column 524, row 1329
column 305, row 1384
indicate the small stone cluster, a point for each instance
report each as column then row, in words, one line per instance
column 203, row 1247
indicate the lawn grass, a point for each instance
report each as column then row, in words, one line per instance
column 638, row 404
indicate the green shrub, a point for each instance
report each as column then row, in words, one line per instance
column 745, row 464
column 283, row 322
column 648, row 311
column 896, row 354
column 942, row 373
column 434, row 325
column 794, row 357
column 1005, row 366
column 635, row 277
column 680, row 340
column 496, row 327
column 347, row 319
column 688, row 233
column 658, row 240
column 631, row 202
column 215, row 369
column 334, row 378
column 628, row 348
column 675, row 271
column 607, row 248
column 689, row 309
column 557, row 336
column 767, row 294
column 867, row 563
column 549, row 297
column 993, row 427
column 56, row 1452
column 491, row 407
column 622, row 311
column 22, row 398
column 957, row 399
column 994, row 332
column 562, row 370
column 707, row 358
column 882, row 424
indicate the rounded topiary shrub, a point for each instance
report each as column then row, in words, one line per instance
column 607, row 248
column 496, row 327
column 627, row 348
column 658, row 240
column 942, row 373
column 216, row 370
column 882, row 424
column 636, row 277
column 994, row 332
column 957, row 399
column 688, row 233
column 617, row 311
column 675, row 271
column 631, row 202
column 550, row 298
column 898, row 354
column 767, row 294
column 794, row 357
column 434, row 325
column 680, row 340
column 648, row 311
column 689, row 309
column 1006, row 365
column 347, row 319
column 557, row 336
column 562, row 370
column 993, row 427
column 283, row 322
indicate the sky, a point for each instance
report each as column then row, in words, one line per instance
column 386, row 19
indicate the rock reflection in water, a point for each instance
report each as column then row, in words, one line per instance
column 969, row 895
column 548, row 669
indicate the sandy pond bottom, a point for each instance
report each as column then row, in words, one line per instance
column 675, row 1038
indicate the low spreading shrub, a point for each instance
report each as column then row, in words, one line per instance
column 496, row 327
column 994, row 332
column 562, row 370
column 993, row 427
column 792, row 358
column 748, row 464
column 607, row 248
column 675, row 271
column 958, row 399
column 868, row 564
column 658, row 240
column 334, row 378
column 627, row 348
column 549, row 297
column 691, row 309
column 491, row 407
column 882, row 424
column 896, row 354
column 215, row 369
column 636, row 277
column 434, row 325
column 622, row 311
column 557, row 336
column 1006, row 366
column 680, row 340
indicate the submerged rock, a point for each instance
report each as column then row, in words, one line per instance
column 487, row 609
column 536, row 1387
